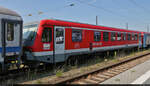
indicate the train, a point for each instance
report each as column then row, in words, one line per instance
column 53, row 40
column 11, row 24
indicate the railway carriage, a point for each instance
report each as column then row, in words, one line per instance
column 52, row 41
column 10, row 38
column 146, row 39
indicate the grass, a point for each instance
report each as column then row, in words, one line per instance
column 31, row 75
column 106, row 60
column 39, row 82
column 133, row 71
column 117, row 79
column 114, row 58
column 87, row 65
column 59, row 73
column 74, row 67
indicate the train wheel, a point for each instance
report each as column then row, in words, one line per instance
column 18, row 66
column 30, row 64
column 5, row 68
column 76, row 61
column 69, row 61
column 33, row 65
column 0, row 68
column 72, row 61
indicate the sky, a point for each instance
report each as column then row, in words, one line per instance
column 111, row 13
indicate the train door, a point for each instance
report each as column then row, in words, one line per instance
column 144, row 40
column 140, row 41
column 11, row 40
column 59, row 44
column 47, row 47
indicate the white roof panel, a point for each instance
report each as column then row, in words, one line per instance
column 8, row 12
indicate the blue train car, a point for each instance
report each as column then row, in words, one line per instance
column 144, row 40
column 140, row 40
column 11, row 38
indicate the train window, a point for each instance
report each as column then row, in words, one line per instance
column 97, row 36
column 113, row 36
column 136, row 36
column 10, row 31
column 47, row 35
column 129, row 36
column 76, row 35
column 105, row 36
column 119, row 36
column 30, row 31
column 124, row 36
column 132, row 36
column 59, row 36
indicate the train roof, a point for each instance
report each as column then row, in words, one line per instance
column 83, row 25
column 8, row 12
column 78, row 24
column 31, row 23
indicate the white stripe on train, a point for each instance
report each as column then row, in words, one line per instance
column 83, row 49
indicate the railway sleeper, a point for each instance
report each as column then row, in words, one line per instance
column 103, row 76
column 99, row 78
column 87, row 81
column 120, row 68
column 117, row 70
column 108, row 74
column 80, row 82
column 114, row 71
column 95, row 79
column 91, row 81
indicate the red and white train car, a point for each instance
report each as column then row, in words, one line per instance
column 55, row 40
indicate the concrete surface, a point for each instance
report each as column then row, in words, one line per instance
column 132, row 75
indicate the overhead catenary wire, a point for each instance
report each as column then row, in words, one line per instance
column 139, row 6
column 142, row 7
column 102, row 8
column 43, row 12
column 91, row 5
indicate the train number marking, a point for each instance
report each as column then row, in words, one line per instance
column 46, row 46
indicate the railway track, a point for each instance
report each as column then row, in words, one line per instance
column 13, row 74
column 100, row 75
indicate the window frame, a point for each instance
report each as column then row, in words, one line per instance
column 96, row 40
column 28, row 29
column 73, row 30
column 129, row 37
column 112, row 34
column 50, row 34
column 124, row 36
column 119, row 35
column 136, row 36
column 11, row 32
column 133, row 36
column 106, row 36
column 62, row 34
